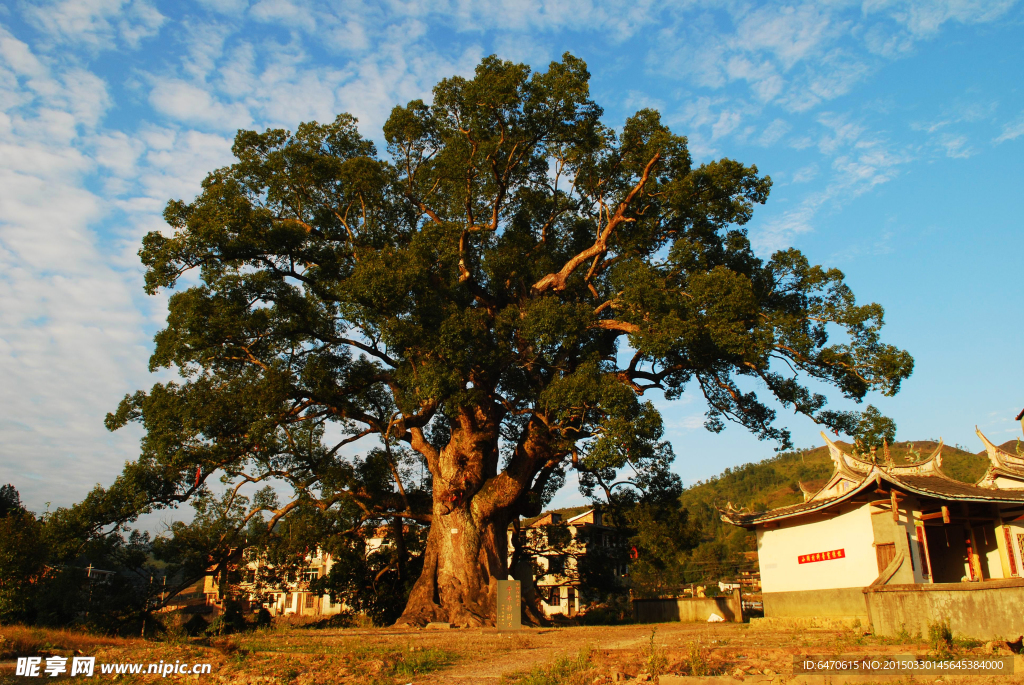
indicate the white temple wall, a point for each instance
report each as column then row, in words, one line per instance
column 780, row 549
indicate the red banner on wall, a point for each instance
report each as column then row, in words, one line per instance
column 821, row 556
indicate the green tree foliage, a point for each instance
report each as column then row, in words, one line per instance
column 40, row 586
column 874, row 429
column 375, row 581
column 662, row 537
column 497, row 294
column 22, row 557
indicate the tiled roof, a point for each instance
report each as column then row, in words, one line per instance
column 947, row 488
column 924, row 479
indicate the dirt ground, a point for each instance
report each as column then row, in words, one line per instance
column 593, row 655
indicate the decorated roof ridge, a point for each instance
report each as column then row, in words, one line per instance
column 846, row 464
column 1001, row 463
column 848, row 473
column 929, row 466
column 1000, row 458
column 808, row 494
column 852, row 466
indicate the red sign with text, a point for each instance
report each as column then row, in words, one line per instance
column 821, row 556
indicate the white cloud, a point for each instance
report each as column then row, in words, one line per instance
column 70, row 335
column 1011, row 130
column 526, row 49
column 74, row 325
column 688, row 423
column 773, row 133
column 204, row 46
column 956, row 146
column 17, row 56
column 96, row 23
column 802, row 54
column 841, row 132
column 719, row 116
column 860, row 162
column 230, row 7
column 188, row 103
column 789, row 33
column 805, row 173
column 284, row 13
column 923, row 18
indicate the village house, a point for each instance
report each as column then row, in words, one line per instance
column 289, row 596
column 557, row 555
column 559, row 544
column 875, row 529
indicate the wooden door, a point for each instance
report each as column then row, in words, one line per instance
column 885, row 553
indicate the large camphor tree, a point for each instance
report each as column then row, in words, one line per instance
column 494, row 297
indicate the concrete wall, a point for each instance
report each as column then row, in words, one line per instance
column 779, row 550
column 837, row 603
column 985, row 611
column 688, row 610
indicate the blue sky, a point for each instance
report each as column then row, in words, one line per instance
column 893, row 131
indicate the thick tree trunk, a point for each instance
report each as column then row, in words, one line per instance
column 467, row 547
column 463, row 560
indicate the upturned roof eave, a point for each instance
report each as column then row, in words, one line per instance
column 877, row 475
column 781, row 514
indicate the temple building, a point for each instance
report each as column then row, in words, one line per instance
column 883, row 524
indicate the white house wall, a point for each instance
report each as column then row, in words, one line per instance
column 779, row 550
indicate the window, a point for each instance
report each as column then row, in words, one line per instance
column 308, row 576
column 310, row 600
column 554, row 597
column 250, row 576
column 556, row 564
column 288, row 599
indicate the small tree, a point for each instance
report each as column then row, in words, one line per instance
column 497, row 295
column 873, row 430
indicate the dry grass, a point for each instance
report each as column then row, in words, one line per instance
column 567, row 670
column 18, row 641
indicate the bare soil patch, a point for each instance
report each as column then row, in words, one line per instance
column 586, row 655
